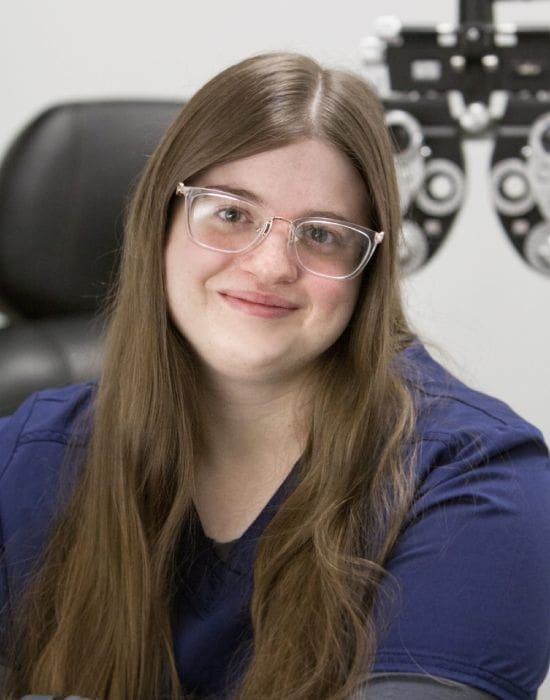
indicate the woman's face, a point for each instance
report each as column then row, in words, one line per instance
column 258, row 316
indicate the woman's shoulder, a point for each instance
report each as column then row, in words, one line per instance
column 453, row 415
column 472, row 559
column 34, row 442
column 50, row 416
column 35, row 476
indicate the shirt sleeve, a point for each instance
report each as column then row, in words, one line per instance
column 10, row 429
column 33, row 485
column 468, row 592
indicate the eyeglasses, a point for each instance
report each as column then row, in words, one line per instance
column 325, row 247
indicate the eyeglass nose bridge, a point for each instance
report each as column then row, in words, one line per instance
column 268, row 225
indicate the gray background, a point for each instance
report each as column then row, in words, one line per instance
column 481, row 309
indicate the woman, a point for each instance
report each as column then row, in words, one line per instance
column 274, row 492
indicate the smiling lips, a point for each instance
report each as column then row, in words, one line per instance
column 258, row 304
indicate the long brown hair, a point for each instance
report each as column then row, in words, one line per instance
column 97, row 619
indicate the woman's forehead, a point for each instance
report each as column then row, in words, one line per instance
column 307, row 174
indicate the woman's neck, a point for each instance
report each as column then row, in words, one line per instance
column 254, row 436
column 244, row 422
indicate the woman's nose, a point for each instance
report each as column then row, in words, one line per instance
column 273, row 260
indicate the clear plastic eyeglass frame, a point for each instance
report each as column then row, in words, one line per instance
column 374, row 237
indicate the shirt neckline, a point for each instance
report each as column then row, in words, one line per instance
column 243, row 549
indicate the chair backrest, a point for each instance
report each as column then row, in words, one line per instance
column 64, row 187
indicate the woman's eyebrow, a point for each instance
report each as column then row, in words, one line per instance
column 256, row 199
column 238, row 192
column 313, row 213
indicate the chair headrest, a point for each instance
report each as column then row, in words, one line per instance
column 64, row 185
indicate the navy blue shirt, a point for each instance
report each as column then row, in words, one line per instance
column 468, row 598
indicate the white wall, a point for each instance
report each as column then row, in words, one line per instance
column 477, row 300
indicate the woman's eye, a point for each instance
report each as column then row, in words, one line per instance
column 320, row 236
column 231, row 215
column 323, row 236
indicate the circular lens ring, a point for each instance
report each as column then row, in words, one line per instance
column 441, row 167
column 511, row 167
column 401, row 123
column 413, row 247
column 537, row 247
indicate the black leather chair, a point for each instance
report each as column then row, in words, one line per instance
column 64, row 185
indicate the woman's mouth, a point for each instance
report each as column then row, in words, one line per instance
column 259, row 304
